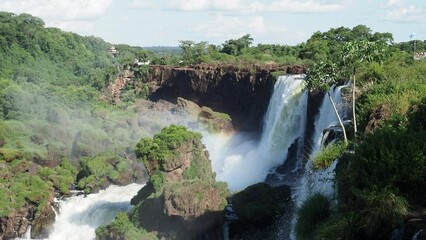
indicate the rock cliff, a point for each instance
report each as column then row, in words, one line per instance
column 243, row 92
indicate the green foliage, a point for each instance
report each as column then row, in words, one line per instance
column 236, row 46
column 311, row 214
column 402, row 86
column 158, row 179
column 99, row 170
column 390, row 159
column 192, row 52
column 321, row 76
column 18, row 186
column 123, row 228
column 327, row 155
column 157, row 153
column 62, row 176
column 8, row 92
column 382, row 209
column 328, row 46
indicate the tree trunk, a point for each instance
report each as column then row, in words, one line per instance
column 353, row 103
column 338, row 117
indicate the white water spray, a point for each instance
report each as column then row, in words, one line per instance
column 241, row 160
column 79, row 216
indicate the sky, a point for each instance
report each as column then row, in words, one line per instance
column 165, row 22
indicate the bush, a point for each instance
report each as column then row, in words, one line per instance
column 314, row 211
column 390, row 159
column 123, row 228
column 327, row 155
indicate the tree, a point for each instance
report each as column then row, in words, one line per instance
column 319, row 78
column 236, row 46
column 356, row 52
column 192, row 52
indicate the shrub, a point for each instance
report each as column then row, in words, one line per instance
column 123, row 228
column 314, row 211
column 327, row 155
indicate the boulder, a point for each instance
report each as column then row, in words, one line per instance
column 211, row 120
column 257, row 208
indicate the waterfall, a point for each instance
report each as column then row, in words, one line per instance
column 79, row 216
column 285, row 119
column 326, row 116
column 321, row 181
column 242, row 160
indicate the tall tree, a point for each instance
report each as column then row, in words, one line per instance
column 319, row 78
column 236, row 46
column 356, row 52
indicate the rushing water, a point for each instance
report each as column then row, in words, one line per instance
column 80, row 215
column 321, row 181
column 243, row 160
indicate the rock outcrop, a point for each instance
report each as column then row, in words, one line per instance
column 257, row 208
column 211, row 120
column 16, row 223
column 108, row 168
column 182, row 200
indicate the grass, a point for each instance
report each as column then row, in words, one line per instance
column 328, row 155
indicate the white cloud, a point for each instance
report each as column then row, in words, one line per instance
column 287, row 6
column 223, row 27
column 69, row 15
column 309, row 6
column 201, row 5
column 74, row 26
column 393, row 2
column 58, row 10
column 402, row 11
column 145, row 4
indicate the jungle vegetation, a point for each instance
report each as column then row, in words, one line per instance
column 51, row 88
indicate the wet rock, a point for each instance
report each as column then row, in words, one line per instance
column 257, row 208
column 43, row 222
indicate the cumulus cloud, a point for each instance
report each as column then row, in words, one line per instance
column 64, row 9
column 70, row 15
column 74, row 26
column 403, row 11
column 248, row 6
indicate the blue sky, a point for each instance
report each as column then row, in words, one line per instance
column 165, row 22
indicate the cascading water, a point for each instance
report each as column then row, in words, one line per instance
column 80, row 215
column 241, row 160
column 321, row 181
